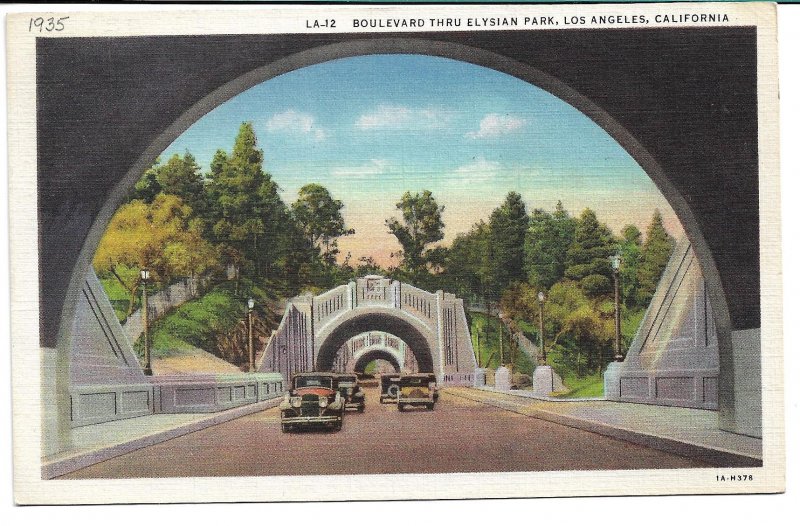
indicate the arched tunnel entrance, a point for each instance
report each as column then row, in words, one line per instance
column 72, row 221
column 376, row 354
column 415, row 336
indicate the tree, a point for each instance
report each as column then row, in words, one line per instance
column 587, row 257
column 656, row 251
column 320, row 217
column 508, row 225
column 546, row 243
column 181, row 176
column 420, row 226
column 157, row 236
column 580, row 328
column 466, row 267
column 148, row 187
column 248, row 215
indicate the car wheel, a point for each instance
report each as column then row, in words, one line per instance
column 361, row 409
column 285, row 428
column 400, row 407
column 430, row 407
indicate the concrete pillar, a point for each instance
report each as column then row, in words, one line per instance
column 56, row 429
column 351, row 295
column 502, row 379
column 440, row 331
column 480, row 377
column 740, row 395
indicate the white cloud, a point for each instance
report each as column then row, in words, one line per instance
column 295, row 122
column 372, row 168
column 479, row 167
column 494, row 125
column 395, row 117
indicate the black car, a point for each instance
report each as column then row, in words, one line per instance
column 313, row 400
column 351, row 392
column 390, row 387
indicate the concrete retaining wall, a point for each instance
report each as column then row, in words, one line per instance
column 674, row 358
column 211, row 393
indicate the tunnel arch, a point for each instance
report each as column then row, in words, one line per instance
column 419, row 338
column 420, row 46
column 61, row 286
column 376, row 354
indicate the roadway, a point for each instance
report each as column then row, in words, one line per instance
column 459, row 435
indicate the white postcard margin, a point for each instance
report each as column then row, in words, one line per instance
column 158, row 20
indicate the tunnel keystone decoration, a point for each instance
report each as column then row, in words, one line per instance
column 314, row 328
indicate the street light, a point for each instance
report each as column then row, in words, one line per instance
column 616, row 261
column 250, row 349
column 500, row 323
column 541, row 326
column 144, row 274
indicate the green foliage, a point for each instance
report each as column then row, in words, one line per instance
column 587, row 257
column 159, row 236
column 421, row 225
column 203, row 322
column 486, row 332
column 590, row 386
column 508, row 225
column 655, row 255
column 247, row 215
column 148, row 187
column 467, row 267
column 546, row 244
column 181, row 176
column 118, row 295
column 630, row 250
column 319, row 216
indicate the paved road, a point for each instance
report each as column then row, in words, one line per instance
column 458, row 436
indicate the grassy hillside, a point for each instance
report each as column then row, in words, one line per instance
column 199, row 323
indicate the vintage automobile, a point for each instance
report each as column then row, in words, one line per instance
column 389, row 387
column 312, row 400
column 351, row 392
column 417, row 390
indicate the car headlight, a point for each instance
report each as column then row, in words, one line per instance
column 296, row 401
column 323, row 401
column 349, row 391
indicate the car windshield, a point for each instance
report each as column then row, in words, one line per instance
column 347, row 379
column 314, row 381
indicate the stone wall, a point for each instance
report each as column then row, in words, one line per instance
column 161, row 302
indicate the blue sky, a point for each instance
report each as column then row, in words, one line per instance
column 370, row 128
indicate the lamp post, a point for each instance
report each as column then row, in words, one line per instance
column 540, row 296
column 500, row 323
column 144, row 274
column 616, row 261
column 250, row 349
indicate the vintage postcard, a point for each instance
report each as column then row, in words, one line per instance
column 322, row 253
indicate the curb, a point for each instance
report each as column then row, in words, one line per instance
column 84, row 459
column 715, row 456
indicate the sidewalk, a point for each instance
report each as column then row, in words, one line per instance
column 98, row 442
column 687, row 432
